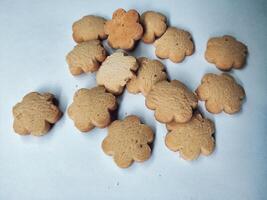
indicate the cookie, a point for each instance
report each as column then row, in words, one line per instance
column 174, row 44
column 171, row 101
column 89, row 28
column 86, row 57
column 149, row 73
column 154, row 25
column 124, row 29
column 116, row 71
column 220, row 93
column 35, row 114
column 127, row 141
column 226, row 52
column 91, row 108
column 191, row 138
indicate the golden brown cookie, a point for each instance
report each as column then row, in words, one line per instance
column 116, row 71
column 127, row 141
column 124, row 29
column 89, row 28
column 91, row 108
column 220, row 93
column 191, row 138
column 174, row 44
column 171, row 101
column 86, row 57
column 149, row 73
column 35, row 114
column 154, row 24
column 226, row 52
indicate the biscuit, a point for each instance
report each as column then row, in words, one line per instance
column 154, row 25
column 226, row 52
column 174, row 44
column 171, row 101
column 149, row 73
column 89, row 28
column 86, row 57
column 191, row 138
column 124, row 29
column 35, row 114
column 91, row 108
column 116, row 71
column 127, row 141
column 220, row 93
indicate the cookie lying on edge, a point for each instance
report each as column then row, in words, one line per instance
column 221, row 93
column 149, row 73
column 86, row 57
column 174, row 44
column 127, row 141
column 226, row 52
column 171, row 101
column 154, row 25
column 191, row 138
column 124, row 29
column 91, row 108
column 35, row 114
column 89, row 28
column 116, row 71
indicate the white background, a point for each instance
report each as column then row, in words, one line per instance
column 67, row 165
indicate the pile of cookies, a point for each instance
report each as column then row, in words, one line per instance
column 173, row 102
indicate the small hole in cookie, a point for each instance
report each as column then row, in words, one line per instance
column 122, row 25
column 136, row 141
column 141, row 145
column 155, row 75
column 176, row 44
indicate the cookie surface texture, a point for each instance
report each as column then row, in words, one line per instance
column 226, row 52
column 116, row 71
column 127, row 141
column 124, row 29
column 220, row 93
column 89, row 28
column 174, row 44
column 154, row 24
column 35, row 114
column 91, row 108
column 86, row 57
column 191, row 138
column 171, row 101
column 149, row 73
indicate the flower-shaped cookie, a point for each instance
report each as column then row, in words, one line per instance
column 124, row 29
column 220, row 93
column 86, row 57
column 149, row 73
column 154, row 24
column 89, row 28
column 171, row 101
column 35, row 114
column 226, row 52
column 191, row 138
column 174, row 44
column 116, row 71
column 127, row 141
column 91, row 108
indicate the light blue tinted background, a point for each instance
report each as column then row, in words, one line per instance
column 67, row 165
